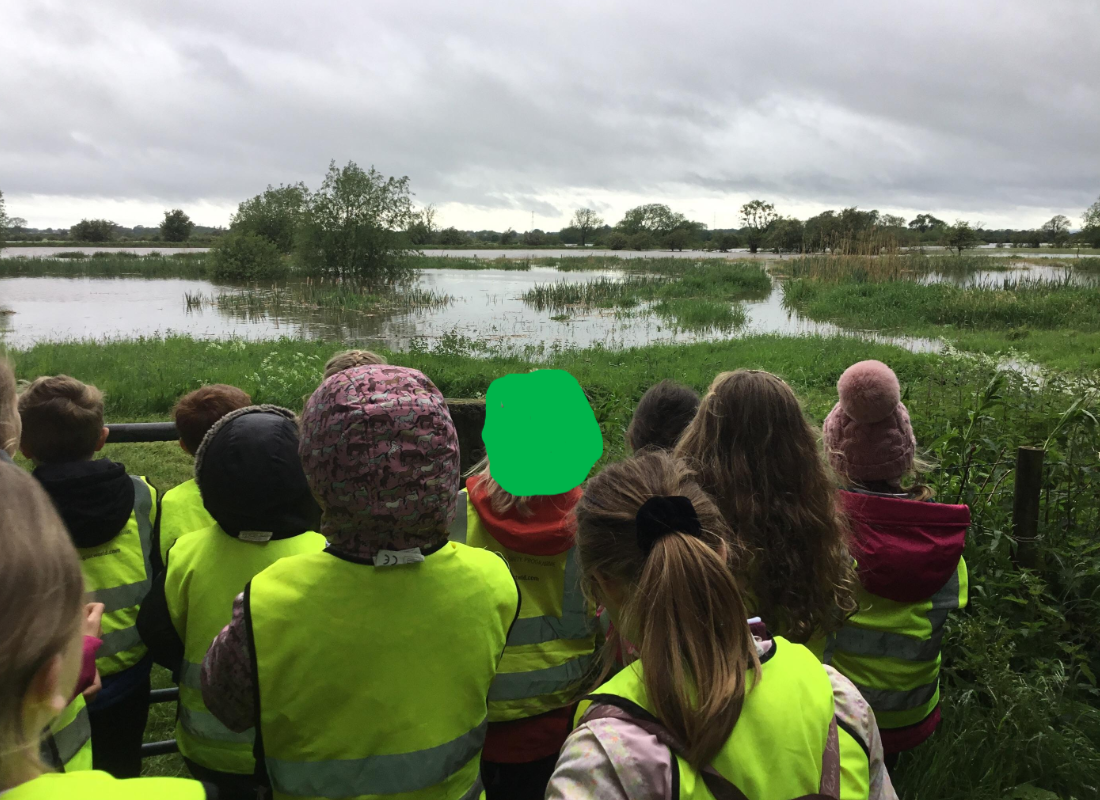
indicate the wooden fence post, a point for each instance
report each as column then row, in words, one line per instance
column 1025, row 505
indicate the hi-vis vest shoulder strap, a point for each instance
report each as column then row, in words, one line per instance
column 373, row 680
column 891, row 651
column 67, row 746
column 101, row 786
column 552, row 645
column 119, row 575
column 786, row 743
column 206, row 570
column 181, row 511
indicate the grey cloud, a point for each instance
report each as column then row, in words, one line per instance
column 985, row 104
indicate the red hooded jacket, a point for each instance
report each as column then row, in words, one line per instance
column 548, row 531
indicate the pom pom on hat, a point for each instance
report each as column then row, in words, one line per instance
column 869, row 391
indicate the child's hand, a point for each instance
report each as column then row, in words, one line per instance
column 93, row 619
column 91, row 692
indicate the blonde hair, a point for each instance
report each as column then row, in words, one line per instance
column 10, row 422
column 683, row 609
column 755, row 452
column 349, row 359
column 41, row 597
column 501, row 501
column 62, row 419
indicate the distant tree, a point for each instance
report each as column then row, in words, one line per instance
column 922, row 223
column 821, row 232
column 726, row 241
column 678, row 239
column 655, row 219
column 275, row 215
column 617, row 240
column 534, row 238
column 176, row 227
column 569, row 235
column 1057, row 230
column 1090, row 224
column 961, row 236
column 452, row 236
column 757, row 218
column 586, row 220
column 1033, row 237
column 508, row 237
column 93, row 230
column 5, row 222
column 785, row 236
column 246, row 256
column 422, row 229
column 352, row 226
column 891, row 221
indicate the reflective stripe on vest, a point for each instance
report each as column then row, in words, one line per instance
column 206, row 570
column 71, row 737
column 898, row 673
column 792, row 704
column 547, row 655
column 109, row 571
column 380, row 774
column 343, row 714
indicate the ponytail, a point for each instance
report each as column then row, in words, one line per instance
column 683, row 606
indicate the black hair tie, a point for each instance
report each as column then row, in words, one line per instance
column 660, row 516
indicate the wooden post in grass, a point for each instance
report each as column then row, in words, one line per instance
column 1025, row 505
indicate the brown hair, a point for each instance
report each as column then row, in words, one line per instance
column 755, row 452
column 41, row 597
column 661, row 417
column 10, row 423
column 501, row 501
column 62, row 419
column 196, row 412
column 683, row 608
column 349, row 359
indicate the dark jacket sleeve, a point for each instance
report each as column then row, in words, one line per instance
column 154, row 624
column 158, row 564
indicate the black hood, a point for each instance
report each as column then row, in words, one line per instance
column 250, row 477
column 94, row 498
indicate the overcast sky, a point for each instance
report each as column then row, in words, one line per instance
column 987, row 110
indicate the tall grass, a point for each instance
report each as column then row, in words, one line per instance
column 471, row 262
column 107, row 265
column 890, row 266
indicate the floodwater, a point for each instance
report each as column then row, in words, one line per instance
column 487, row 307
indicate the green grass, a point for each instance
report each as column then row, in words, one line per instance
column 108, row 265
column 702, row 316
column 462, row 262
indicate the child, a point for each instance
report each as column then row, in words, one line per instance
column 551, row 646
column 181, row 509
column 68, row 743
column 42, row 618
column 709, row 710
column 365, row 668
column 349, row 359
column 111, row 518
column 909, row 554
column 755, row 453
column 662, row 415
column 252, row 483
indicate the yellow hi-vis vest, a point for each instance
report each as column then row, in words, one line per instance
column 785, row 743
column 181, row 511
column 101, row 786
column 206, row 570
column 119, row 575
column 372, row 681
column 552, row 644
column 69, row 738
column 891, row 651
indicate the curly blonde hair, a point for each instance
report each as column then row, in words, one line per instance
column 757, row 455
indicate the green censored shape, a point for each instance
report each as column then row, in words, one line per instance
column 540, row 433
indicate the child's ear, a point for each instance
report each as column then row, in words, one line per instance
column 103, row 434
column 45, row 691
column 183, row 447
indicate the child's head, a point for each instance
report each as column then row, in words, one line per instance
column 655, row 550
column 501, row 501
column 41, row 602
column 868, row 437
column 196, row 412
column 380, row 453
column 756, row 453
column 250, row 477
column 349, row 359
column 10, row 424
column 662, row 415
column 62, row 420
